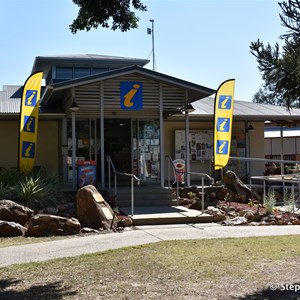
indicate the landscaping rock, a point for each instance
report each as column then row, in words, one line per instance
column 49, row 225
column 217, row 214
column 11, row 229
column 93, row 211
column 250, row 215
column 14, row 212
column 125, row 222
column 235, row 221
column 88, row 230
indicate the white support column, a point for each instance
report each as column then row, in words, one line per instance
column 73, row 151
column 187, row 142
column 64, row 140
column 247, row 140
column 281, row 149
column 162, row 137
column 102, row 157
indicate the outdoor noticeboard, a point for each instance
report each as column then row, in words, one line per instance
column 201, row 144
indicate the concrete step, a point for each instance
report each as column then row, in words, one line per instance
column 145, row 196
column 158, row 215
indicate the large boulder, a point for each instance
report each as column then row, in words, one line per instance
column 232, row 182
column 93, row 211
column 11, row 211
column 49, row 225
column 10, row 229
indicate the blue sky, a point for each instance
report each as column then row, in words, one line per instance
column 202, row 41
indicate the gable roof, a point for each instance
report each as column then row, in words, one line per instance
column 195, row 91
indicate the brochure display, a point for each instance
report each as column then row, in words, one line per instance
column 86, row 173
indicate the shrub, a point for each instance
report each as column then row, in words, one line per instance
column 289, row 200
column 32, row 190
column 269, row 201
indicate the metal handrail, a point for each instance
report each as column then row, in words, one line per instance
column 133, row 178
column 285, row 178
column 176, row 171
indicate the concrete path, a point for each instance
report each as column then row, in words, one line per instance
column 143, row 234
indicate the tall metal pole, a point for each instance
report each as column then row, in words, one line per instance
column 73, row 151
column 153, row 53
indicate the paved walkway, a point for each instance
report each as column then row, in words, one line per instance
column 143, row 234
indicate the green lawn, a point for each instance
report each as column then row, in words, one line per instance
column 193, row 269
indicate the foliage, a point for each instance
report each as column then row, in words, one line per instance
column 191, row 194
column 269, row 201
column 289, row 200
column 191, row 269
column 227, row 197
column 32, row 190
column 281, row 69
column 95, row 13
column 251, row 203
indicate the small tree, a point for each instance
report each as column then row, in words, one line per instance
column 95, row 13
column 280, row 68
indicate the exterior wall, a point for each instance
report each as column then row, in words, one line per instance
column 169, row 133
column 9, row 137
column 291, row 148
column 47, row 148
column 257, row 149
column 255, row 142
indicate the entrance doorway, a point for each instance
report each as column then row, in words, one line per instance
column 117, row 143
column 133, row 145
column 146, row 149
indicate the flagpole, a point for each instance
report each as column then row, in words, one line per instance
column 151, row 31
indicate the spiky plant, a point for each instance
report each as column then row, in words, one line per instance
column 269, row 201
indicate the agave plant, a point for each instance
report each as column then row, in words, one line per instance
column 5, row 191
column 36, row 192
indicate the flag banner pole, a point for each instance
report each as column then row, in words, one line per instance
column 29, row 112
column 223, row 112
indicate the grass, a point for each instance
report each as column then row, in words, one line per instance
column 20, row 240
column 192, row 269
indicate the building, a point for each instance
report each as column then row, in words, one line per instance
column 138, row 136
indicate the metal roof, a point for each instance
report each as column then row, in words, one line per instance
column 9, row 105
column 45, row 63
column 195, row 91
column 204, row 108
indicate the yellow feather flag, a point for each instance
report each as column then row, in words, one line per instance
column 29, row 113
column 224, row 101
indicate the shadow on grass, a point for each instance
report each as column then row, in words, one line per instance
column 281, row 292
column 53, row 291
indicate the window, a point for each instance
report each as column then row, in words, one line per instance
column 100, row 70
column 81, row 72
column 64, row 73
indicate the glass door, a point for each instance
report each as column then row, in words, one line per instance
column 146, row 149
column 87, row 142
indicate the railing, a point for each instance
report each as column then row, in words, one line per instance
column 176, row 172
column 265, row 160
column 133, row 178
column 293, row 179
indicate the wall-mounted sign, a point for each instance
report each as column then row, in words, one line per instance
column 131, row 95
